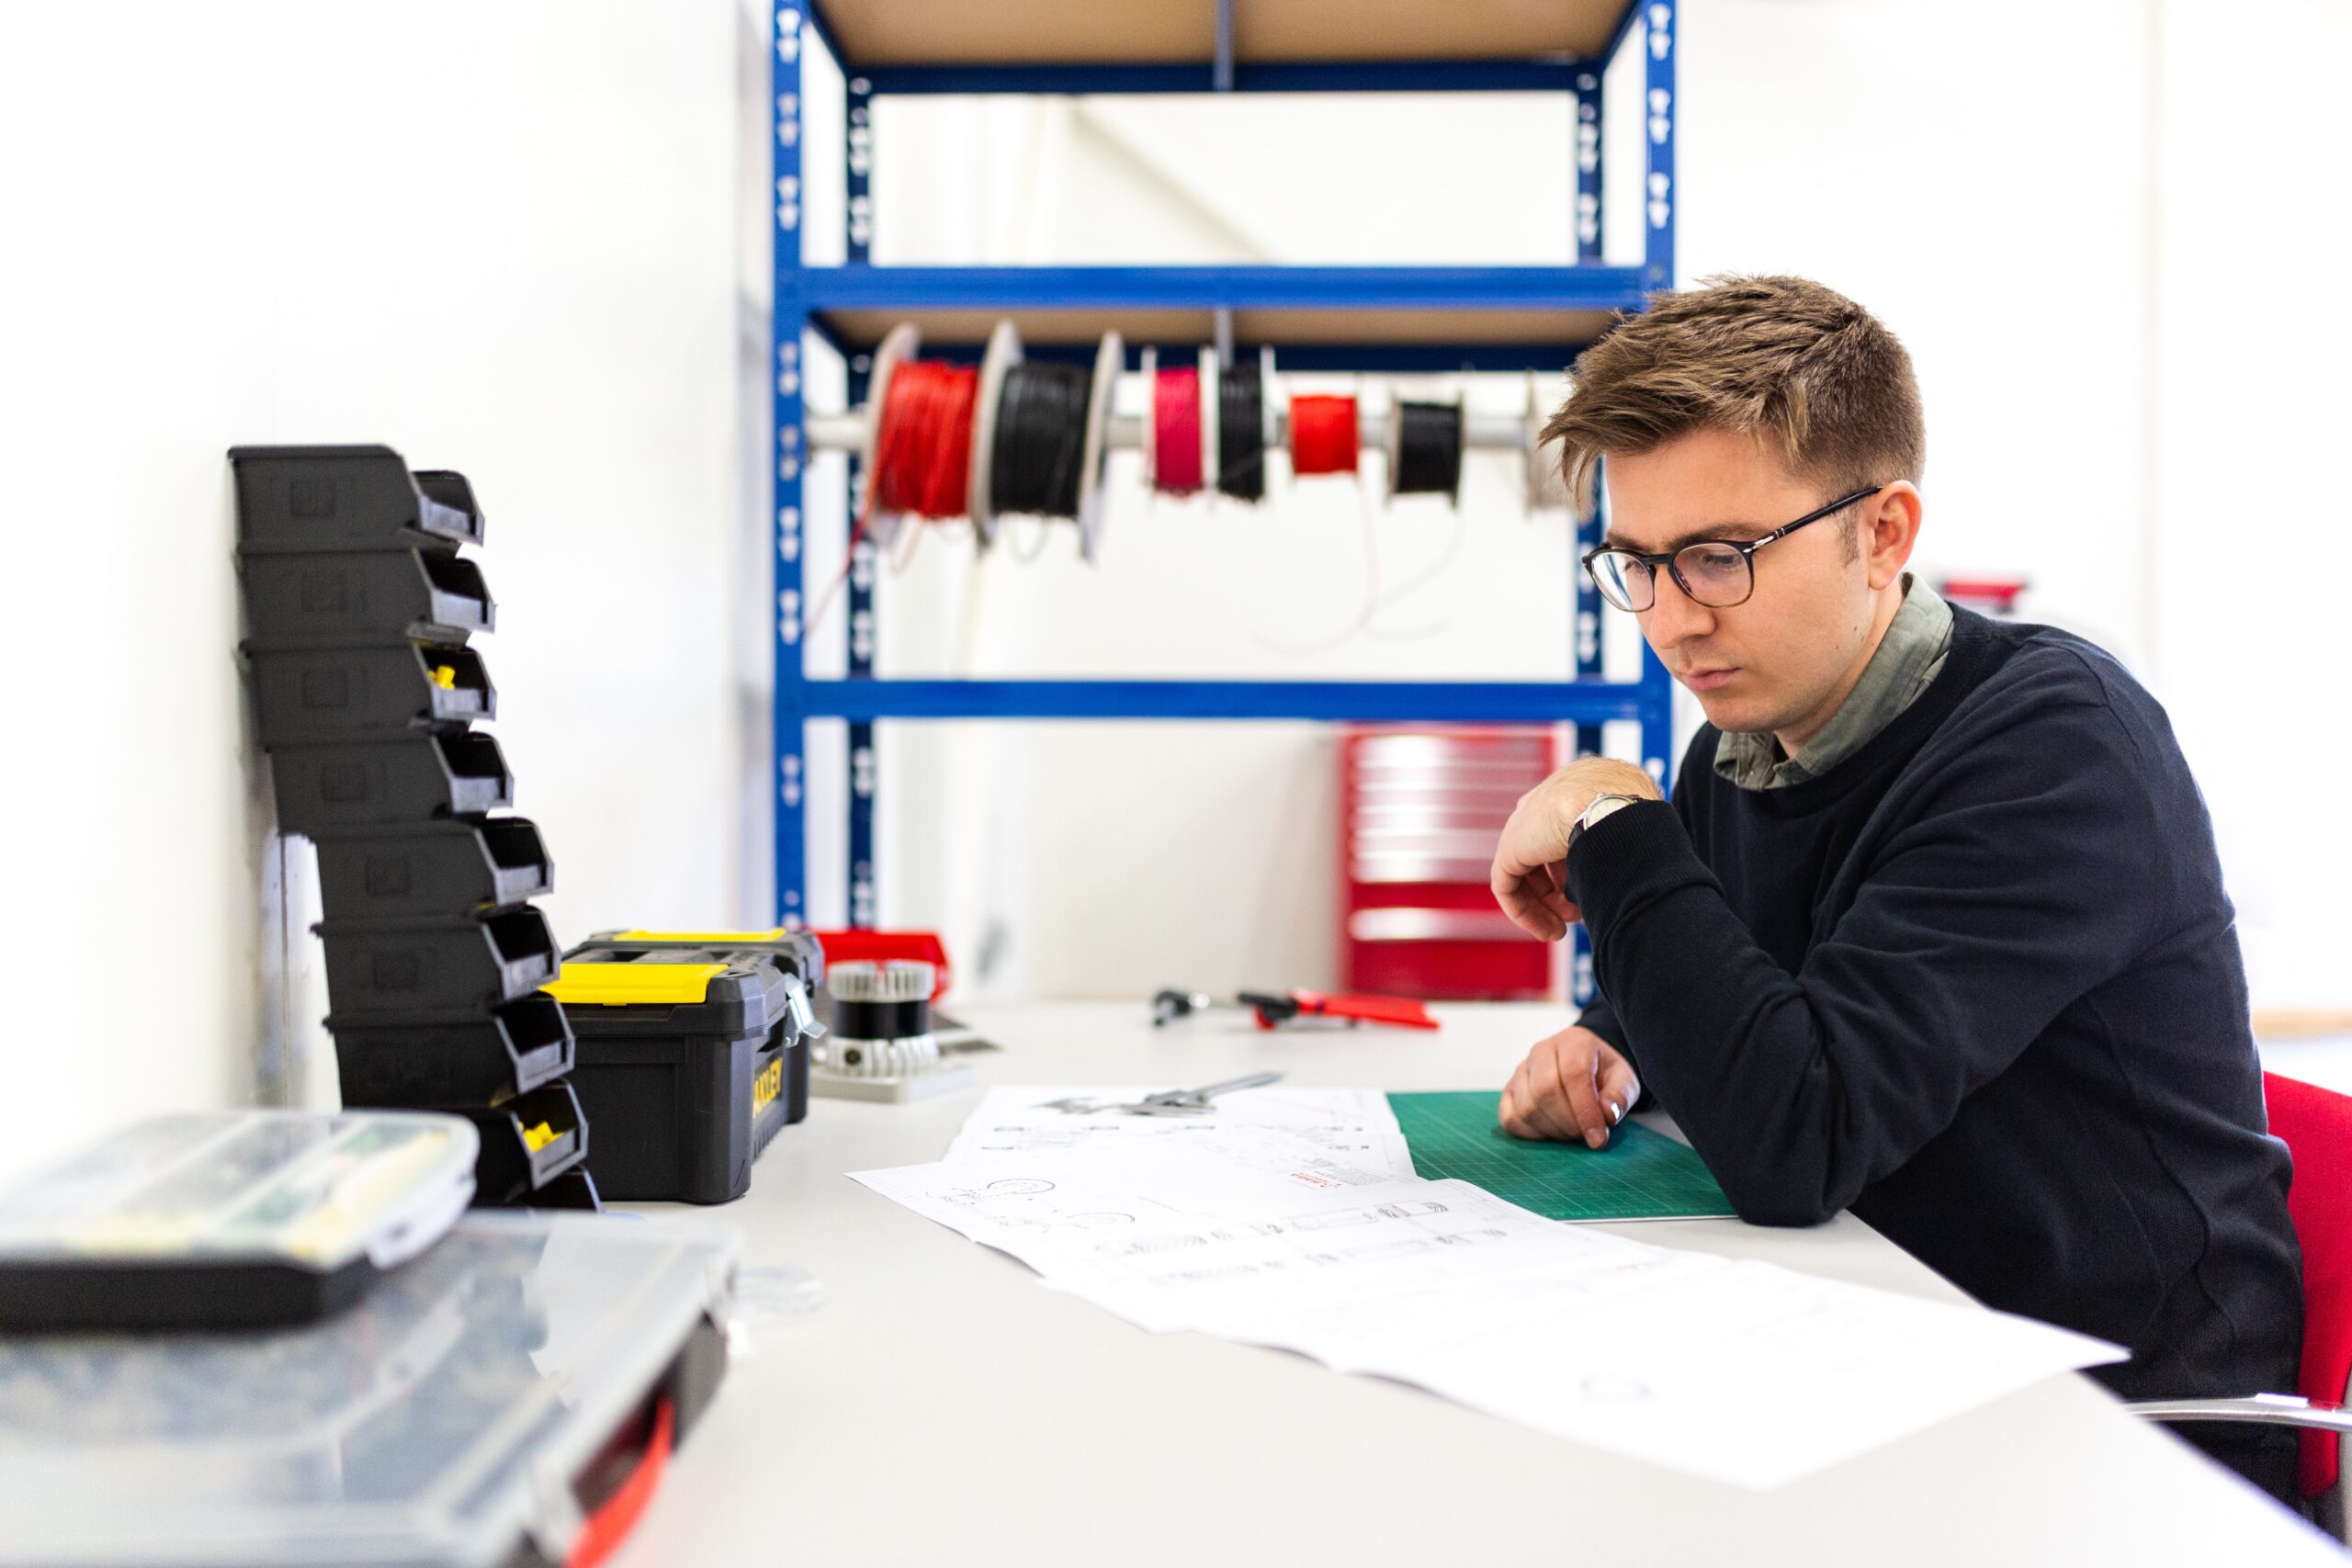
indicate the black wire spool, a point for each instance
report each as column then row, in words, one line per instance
column 1242, row 432
column 1427, row 459
column 1039, row 444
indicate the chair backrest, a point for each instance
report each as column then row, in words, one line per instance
column 2316, row 1125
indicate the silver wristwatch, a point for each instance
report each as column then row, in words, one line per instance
column 1602, row 804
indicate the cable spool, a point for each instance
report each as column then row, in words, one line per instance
column 1323, row 435
column 881, row 1024
column 1175, row 455
column 1425, row 450
column 1039, row 441
column 1047, row 434
column 922, row 441
column 1242, row 434
column 898, row 345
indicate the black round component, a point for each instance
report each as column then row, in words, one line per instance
column 1429, row 448
column 1242, row 432
column 1039, row 445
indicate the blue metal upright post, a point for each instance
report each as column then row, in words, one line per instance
column 1590, row 234
column 1658, row 272
column 788, row 324
column 864, row 629
column 1587, row 596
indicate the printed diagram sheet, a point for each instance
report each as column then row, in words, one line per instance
column 1352, row 1124
column 1274, row 1236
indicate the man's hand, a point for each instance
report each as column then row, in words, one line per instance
column 1536, row 838
column 1573, row 1086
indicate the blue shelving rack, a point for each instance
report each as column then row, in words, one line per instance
column 1421, row 318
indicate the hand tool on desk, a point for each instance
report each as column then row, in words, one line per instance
column 1167, row 1102
column 1274, row 1010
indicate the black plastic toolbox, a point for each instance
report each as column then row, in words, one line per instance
column 411, row 778
column 391, row 970
column 526, row 1144
column 681, row 1062
column 326, row 598
column 460, row 1062
column 795, row 951
column 457, row 865
column 347, row 498
column 347, row 694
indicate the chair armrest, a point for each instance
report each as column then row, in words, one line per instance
column 2262, row 1409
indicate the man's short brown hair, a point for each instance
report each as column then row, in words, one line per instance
column 1805, row 369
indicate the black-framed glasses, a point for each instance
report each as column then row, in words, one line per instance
column 1718, row 573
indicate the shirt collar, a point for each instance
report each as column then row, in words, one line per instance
column 1905, row 663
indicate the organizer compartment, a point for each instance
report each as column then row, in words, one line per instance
column 321, row 789
column 455, row 866
column 347, row 498
column 394, row 970
column 307, row 695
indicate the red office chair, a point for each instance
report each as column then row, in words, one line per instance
column 2316, row 1125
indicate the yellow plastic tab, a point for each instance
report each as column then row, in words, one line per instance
column 775, row 935
column 445, row 677
column 538, row 1137
column 619, row 984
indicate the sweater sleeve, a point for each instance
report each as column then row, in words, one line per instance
column 2025, row 876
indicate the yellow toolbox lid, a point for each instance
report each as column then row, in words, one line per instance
column 721, row 937
column 619, row 985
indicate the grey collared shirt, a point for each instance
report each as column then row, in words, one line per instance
column 1906, row 663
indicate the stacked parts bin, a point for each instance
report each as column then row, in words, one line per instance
column 359, row 614
column 692, row 1053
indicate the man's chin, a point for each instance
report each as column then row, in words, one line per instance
column 1733, row 713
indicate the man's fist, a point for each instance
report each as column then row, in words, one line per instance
column 1573, row 1086
column 1536, row 838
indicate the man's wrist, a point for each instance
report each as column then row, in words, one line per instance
column 1597, row 810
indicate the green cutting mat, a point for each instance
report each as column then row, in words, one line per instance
column 1641, row 1175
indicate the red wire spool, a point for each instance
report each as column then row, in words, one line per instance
column 922, row 453
column 1176, row 430
column 1322, row 436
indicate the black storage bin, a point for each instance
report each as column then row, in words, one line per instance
column 370, row 783
column 347, row 498
column 393, row 970
column 682, row 1063
column 337, row 598
column 795, row 951
column 348, row 693
column 463, row 1062
column 526, row 1144
column 457, row 866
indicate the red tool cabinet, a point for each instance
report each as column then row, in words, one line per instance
column 1419, row 813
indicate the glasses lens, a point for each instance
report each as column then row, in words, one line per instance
column 1714, row 575
column 1624, row 579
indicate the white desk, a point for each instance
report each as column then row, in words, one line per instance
column 945, row 1408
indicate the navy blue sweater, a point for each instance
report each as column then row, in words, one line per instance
column 1980, row 984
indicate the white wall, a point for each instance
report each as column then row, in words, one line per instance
column 497, row 237
column 2064, row 206
column 2250, row 517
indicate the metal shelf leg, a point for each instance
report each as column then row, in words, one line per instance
column 788, row 328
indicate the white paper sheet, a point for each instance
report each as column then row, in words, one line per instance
column 1747, row 1373
column 1740, row 1372
column 1351, row 1124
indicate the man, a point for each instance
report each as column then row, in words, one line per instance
column 1934, row 929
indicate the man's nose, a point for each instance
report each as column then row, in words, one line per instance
column 1674, row 617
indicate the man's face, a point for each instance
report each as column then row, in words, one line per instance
column 1783, row 661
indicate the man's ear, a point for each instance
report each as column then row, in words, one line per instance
column 1890, row 530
